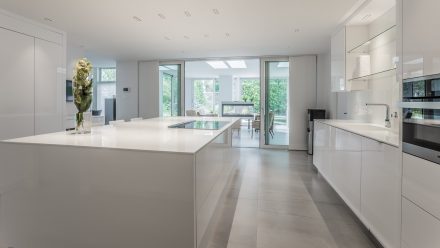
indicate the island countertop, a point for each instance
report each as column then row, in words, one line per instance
column 368, row 130
column 146, row 135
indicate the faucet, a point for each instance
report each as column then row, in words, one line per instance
column 387, row 117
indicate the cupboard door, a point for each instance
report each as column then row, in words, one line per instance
column 419, row 228
column 421, row 183
column 346, row 167
column 338, row 62
column 421, row 50
column 321, row 148
column 381, row 190
column 16, row 85
column 49, row 80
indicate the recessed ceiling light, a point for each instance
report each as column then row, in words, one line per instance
column 206, row 35
column 283, row 65
column 186, row 37
column 48, row 19
column 187, row 13
column 216, row 11
column 217, row 64
column 228, row 34
column 166, row 38
column 237, row 64
column 137, row 18
column 162, row 16
column 366, row 17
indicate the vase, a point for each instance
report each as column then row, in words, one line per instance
column 83, row 122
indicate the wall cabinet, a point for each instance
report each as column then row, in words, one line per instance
column 367, row 176
column 421, row 50
column 33, row 79
column 338, row 62
column 16, row 85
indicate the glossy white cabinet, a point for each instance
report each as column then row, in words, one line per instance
column 419, row 228
column 346, row 160
column 381, row 190
column 366, row 174
column 421, row 50
column 321, row 149
column 16, row 85
column 421, row 183
column 49, row 80
column 338, row 62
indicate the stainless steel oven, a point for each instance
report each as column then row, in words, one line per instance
column 421, row 117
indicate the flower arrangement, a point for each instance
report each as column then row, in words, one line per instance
column 82, row 90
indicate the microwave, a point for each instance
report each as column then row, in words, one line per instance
column 421, row 117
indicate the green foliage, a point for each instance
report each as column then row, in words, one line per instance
column 251, row 92
column 83, row 87
column 278, row 96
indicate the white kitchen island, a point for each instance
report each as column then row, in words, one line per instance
column 137, row 184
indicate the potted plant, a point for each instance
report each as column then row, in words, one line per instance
column 82, row 92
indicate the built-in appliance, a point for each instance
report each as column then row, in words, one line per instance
column 421, row 117
column 206, row 125
column 110, row 110
column 313, row 114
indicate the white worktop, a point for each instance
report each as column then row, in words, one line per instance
column 368, row 130
column 146, row 135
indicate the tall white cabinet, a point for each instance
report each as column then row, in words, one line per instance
column 421, row 50
column 16, row 85
column 32, row 82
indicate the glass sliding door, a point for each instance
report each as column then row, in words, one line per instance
column 276, row 103
column 170, row 77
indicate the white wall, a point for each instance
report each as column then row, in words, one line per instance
column 302, row 96
column 149, row 89
column 127, row 102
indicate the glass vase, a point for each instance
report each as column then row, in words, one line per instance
column 83, row 122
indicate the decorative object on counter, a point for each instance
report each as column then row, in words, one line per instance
column 82, row 92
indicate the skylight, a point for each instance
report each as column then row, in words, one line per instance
column 237, row 64
column 217, row 64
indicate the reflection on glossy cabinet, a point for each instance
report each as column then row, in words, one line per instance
column 381, row 190
column 16, row 85
column 49, row 79
column 421, row 50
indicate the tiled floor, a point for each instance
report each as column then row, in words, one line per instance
column 275, row 200
column 245, row 139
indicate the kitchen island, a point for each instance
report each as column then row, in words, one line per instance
column 135, row 184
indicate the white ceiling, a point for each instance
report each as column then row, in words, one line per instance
column 242, row 27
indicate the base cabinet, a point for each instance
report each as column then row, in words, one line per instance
column 367, row 175
column 420, row 203
column 381, row 190
column 419, row 228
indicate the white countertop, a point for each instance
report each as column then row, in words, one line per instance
column 368, row 130
column 146, row 135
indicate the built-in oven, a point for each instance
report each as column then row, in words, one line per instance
column 421, row 117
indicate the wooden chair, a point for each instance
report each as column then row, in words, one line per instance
column 256, row 124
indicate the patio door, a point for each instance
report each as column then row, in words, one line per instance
column 171, row 89
column 275, row 103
